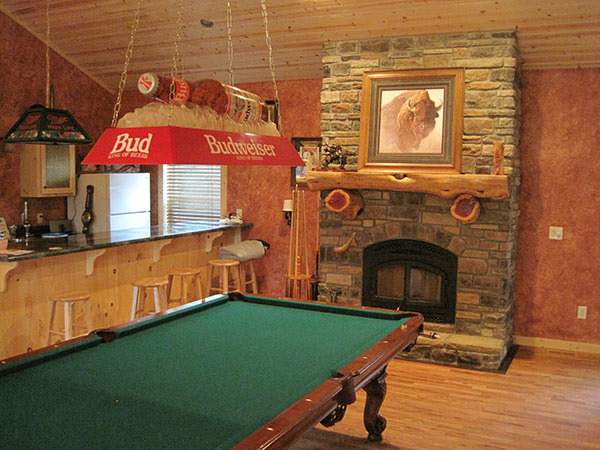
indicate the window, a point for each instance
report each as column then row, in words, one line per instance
column 192, row 194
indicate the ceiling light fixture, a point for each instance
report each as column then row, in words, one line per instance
column 159, row 142
column 41, row 124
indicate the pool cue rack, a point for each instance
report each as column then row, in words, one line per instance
column 298, row 276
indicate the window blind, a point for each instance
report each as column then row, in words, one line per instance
column 191, row 194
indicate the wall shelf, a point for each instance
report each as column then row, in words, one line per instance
column 443, row 185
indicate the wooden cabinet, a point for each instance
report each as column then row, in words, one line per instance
column 47, row 170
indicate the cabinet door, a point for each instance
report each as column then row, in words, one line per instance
column 47, row 170
column 58, row 167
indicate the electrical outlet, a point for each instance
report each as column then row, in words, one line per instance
column 556, row 233
column 239, row 213
column 40, row 218
column 582, row 312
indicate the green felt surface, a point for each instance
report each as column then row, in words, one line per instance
column 205, row 380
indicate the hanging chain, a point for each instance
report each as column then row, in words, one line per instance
column 263, row 4
column 174, row 69
column 174, row 73
column 48, row 54
column 128, row 53
column 230, row 44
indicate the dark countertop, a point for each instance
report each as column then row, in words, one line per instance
column 45, row 247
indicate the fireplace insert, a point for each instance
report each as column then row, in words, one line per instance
column 413, row 276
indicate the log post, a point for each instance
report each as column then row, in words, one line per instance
column 498, row 158
column 348, row 203
column 442, row 185
column 466, row 208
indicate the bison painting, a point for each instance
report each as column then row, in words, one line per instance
column 406, row 120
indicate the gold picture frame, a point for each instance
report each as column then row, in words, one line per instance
column 412, row 121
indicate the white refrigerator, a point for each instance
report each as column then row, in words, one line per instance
column 120, row 201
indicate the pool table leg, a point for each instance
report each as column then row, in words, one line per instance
column 375, row 423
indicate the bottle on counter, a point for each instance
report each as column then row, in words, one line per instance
column 237, row 104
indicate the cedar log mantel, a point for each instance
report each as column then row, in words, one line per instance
column 442, row 185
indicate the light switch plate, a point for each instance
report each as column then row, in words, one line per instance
column 556, row 233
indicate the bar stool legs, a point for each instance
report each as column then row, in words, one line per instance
column 68, row 300
column 141, row 288
column 225, row 276
column 249, row 277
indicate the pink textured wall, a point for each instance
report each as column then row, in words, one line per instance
column 260, row 191
column 22, row 84
column 560, row 186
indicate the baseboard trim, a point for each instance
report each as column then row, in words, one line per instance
column 557, row 344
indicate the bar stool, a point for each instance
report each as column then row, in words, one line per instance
column 69, row 299
column 140, row 290
column 246, row 252
column 227, row 271
column 184, row 276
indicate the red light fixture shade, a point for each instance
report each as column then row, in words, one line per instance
column 178, row 145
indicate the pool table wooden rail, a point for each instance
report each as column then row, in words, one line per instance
column 367, row 372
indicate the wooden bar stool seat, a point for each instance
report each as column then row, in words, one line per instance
column 69, row 299
column 158, row 285
column 183, row 277
column 224, row 276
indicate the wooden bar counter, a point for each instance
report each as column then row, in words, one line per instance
column 104, row 264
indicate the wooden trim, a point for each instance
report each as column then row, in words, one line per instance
column 5, row 269
column 557, row 344
column 442, row 185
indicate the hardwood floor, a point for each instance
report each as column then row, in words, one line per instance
column 547, row 399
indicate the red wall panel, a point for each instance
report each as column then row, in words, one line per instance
column 560, row 186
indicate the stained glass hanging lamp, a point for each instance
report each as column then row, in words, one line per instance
column 41, row 124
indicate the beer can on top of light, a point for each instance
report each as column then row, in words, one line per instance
column 235, row 103
column 159, row 87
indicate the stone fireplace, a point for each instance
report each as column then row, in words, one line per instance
column 469, row 268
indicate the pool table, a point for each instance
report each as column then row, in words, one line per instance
column 229, row 371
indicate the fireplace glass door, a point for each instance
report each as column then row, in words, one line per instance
column 404, row 283
column 413, row 276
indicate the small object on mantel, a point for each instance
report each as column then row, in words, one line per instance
column 343, row 248
column 466, row 208
column 348, row 203
column 333, row 156
column 498, row 158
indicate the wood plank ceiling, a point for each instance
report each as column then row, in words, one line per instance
column 94, row 34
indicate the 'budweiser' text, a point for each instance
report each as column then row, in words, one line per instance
column 238, row 148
